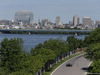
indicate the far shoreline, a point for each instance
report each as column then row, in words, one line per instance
column 45, row 31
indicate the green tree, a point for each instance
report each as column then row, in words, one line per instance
column 39, row 46
column 93, row 52
column 20, row 73
column 57, row 45
column 10, row 53
column 94, row 37
column 34, row 64
column 95, row 67
column 72, row 43
column 80, row 43
column 4, row 71
column 49, row 50
column 47, row 54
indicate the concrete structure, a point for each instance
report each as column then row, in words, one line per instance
column 75, row 20
column 87, row 21
column 24, row 16
column 58, row 20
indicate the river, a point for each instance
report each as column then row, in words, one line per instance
column 30, row 41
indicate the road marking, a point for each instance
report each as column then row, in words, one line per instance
column 88, row 66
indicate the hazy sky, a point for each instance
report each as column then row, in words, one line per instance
column 66, row 9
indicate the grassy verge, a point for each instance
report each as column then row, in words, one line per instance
column 54, row 67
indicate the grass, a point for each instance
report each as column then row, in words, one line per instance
column 58, row 64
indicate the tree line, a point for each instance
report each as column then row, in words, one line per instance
column 44, row 32
column 16, row 61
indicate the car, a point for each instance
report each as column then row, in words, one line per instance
column 69, row 64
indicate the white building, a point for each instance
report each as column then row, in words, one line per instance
column 58, row 20
column 87, row 21
column 75, row 20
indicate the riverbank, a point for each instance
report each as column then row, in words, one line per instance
column 45, row 31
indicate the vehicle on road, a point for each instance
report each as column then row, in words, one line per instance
column 69, row 64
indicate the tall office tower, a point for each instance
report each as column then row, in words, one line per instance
column 58, row 20
column 87, row 21
column 24, row 16
column 75, row 20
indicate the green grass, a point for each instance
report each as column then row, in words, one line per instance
column 58, row 64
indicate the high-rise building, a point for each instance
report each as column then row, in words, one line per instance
column 87, row 21
column 24, row 16
column 75, row 20
column 58, row 20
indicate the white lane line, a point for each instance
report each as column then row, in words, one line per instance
column 63, row 64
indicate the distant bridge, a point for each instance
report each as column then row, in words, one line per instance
column 45, row 30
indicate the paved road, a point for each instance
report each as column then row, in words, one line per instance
column 79, row 67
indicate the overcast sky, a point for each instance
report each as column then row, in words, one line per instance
column 66, row 9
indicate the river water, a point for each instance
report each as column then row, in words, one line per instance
column 30, row 41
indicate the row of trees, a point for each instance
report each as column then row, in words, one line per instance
column 93, row 50
column 15, row 61
column 45, row 32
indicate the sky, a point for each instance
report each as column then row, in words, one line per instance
column 66, row 9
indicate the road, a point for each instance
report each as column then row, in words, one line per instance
column 79, row 67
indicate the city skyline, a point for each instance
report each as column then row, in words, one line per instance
column 66, row 9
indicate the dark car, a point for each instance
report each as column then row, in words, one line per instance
column 69, row 64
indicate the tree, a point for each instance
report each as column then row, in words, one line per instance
column 93, row 43
column 80, row 43
column 10, row 53
column 93, row 52
column 39, row 46
column 4, row 71
column 33, row 64
column 47, row 54
column 57, row 45
column 94, row 37
column 20, row 73
column 95, row 68
column 50, row 49
column 72, row 43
